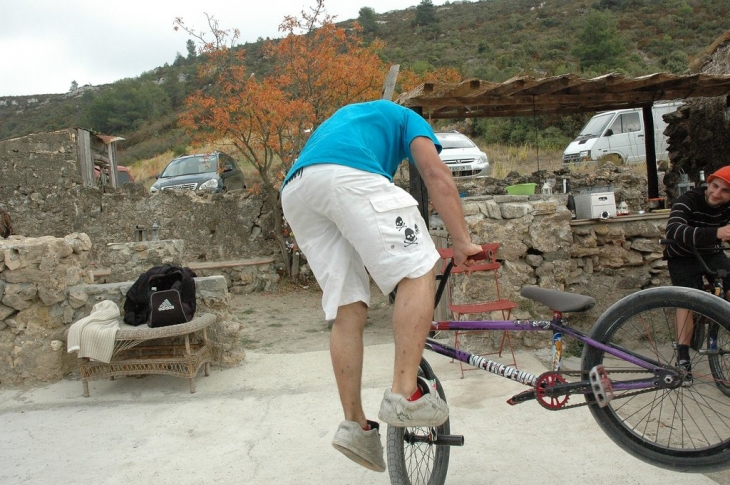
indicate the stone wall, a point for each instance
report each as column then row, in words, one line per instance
column 541, row 245
column 46, row 285
column 74, row 232
column 126, row 261
column 42, row 190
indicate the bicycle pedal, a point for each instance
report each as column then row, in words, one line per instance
column 449, row 440
column 601, row 385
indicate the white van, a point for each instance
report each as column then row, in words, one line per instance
column 620, row 133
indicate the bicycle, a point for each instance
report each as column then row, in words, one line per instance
column 705, row 334
column 628, row 379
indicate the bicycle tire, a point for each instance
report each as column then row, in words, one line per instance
column 679, row 428
column 698, row 333
column 418, row 463
column 719, row 358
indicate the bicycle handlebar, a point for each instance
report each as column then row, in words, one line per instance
column 447, row 272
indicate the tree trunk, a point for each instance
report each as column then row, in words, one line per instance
column 275, row 200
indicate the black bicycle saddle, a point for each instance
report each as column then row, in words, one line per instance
column 557, row 300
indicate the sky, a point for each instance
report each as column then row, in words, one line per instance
column 45, row 45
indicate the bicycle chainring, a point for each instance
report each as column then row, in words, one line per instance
column 544, row 382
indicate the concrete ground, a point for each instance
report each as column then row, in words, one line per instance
column 271, row 420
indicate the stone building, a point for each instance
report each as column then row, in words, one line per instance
column 42, row 189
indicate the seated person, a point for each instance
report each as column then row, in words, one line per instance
column 699, row 218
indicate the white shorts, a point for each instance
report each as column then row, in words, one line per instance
column 346, row 220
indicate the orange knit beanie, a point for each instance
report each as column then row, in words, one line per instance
column 723, row 173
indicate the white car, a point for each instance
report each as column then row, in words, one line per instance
column 462, row 155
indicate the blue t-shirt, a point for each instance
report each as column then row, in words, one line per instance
column 374, row 137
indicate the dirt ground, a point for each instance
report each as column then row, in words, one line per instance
column 291, row 320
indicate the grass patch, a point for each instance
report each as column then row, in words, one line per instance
column 526, row 160
column 523, row 159
column 146, row 171
column 573, row 347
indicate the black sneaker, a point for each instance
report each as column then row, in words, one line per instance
column 686, row 366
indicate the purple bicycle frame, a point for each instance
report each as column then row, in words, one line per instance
column 527, row 378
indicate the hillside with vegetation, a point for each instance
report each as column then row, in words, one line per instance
column 492, row 40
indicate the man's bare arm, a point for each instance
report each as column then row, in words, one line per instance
column 444, row 196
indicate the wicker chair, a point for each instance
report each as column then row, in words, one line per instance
column 166, row 357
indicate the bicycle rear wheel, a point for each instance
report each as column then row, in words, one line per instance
column 676, row 427
column 412, row 460
column 718, row 355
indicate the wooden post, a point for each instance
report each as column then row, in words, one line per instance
column 441, row 312
column 652, row 175
column 417, row 187
column 86, row 161
column 111, row 153
column 294, row 264
column 389, row 86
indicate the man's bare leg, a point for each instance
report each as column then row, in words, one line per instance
column 346, row 351
column 412, row 316
column 685, row 326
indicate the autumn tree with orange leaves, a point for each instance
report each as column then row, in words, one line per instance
column 317, row 68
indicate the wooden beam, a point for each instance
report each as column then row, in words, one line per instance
column 390, row 80
column 86, row 161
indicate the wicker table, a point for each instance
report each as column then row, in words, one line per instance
column 170, row 358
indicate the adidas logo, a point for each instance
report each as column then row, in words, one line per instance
column 166, row 305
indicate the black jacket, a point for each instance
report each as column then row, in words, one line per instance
column 165, row 277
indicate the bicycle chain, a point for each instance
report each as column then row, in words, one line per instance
column 584, row 403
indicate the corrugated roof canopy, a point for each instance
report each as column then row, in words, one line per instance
column 527, row 96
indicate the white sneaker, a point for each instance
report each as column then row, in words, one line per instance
column 428, row 410
column 362, row 447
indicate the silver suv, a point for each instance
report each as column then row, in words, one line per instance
column 462, row 156
column 205, row 173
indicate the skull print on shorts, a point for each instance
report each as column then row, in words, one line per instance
column 411, row 235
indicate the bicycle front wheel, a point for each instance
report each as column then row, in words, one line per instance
column 412, row 458
column 683, row 425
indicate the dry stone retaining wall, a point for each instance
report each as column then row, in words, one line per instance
column 72, row 231
column 46, row 285
column 541, row 245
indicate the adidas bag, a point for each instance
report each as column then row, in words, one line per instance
column 166, row 308
column 161, row 296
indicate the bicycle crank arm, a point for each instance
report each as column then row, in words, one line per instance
column 524, row 396
column 554, row 391
column 720, row 352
